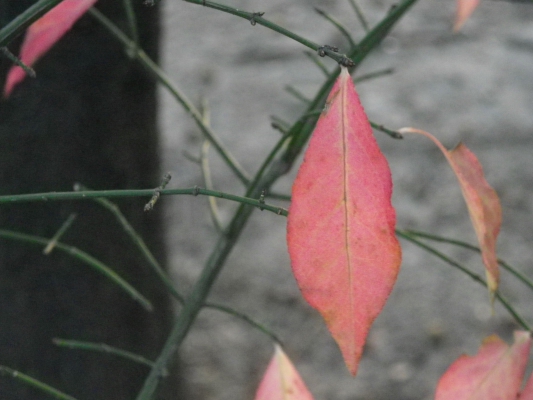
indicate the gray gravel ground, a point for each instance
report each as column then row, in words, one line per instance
column 476, row 86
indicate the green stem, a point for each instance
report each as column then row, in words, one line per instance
column 246, row 319
column 28, row 380
column 64, row 227
column 317, row 61
column 103, row 348
column 195, row 191
column 280, row 196
column 359, row 14
column 206, row 174
column 282, row 143
column 373, row 75
column 206, row 170
column 11, row 57
column 521, row 277
column 405, row 235
column 297, row 94
column 157, row 193
column 162, row 78
column 344, row 32
column 391, row 133
column 22, row 21
column 132, row 26
column 279, row 124
column 86, row 259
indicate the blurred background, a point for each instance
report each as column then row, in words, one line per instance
column 475, row 87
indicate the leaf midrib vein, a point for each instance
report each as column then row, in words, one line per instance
column 345, row 199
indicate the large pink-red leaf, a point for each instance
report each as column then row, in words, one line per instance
column 281, row 380
column 44, row 33
column 465, row 8
column 494, row 373
column 482, row 202
column 340, row 232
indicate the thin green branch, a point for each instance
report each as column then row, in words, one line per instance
column 279, row 124
column 405, row 235
column 14, row 59
column 21, row 22
column 36, row 384
column 317, row 61
column 206, row 174
column 373, row 75
column 132, row 26
column 432, row 250
column 86, row 259
column 206, row 170
column 282, row 143
column 297, row 94
column 375, row 36
column 162, row 78
column 344, row 32
column 157, row 192
column 64, row 227
column 256, row 18
column 391, row 133
column 191, row 157
column 87, row 195
column 103, row 348
column 359, row 13
column 521, row 277
column 245, row 318
column 280, row 196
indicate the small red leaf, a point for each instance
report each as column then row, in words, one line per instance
column 281, row 380
column 44, row 33
column 481, row 199
column 494, row 373
column 340, row 231
column 465, row 8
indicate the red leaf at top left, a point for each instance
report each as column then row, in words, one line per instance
column 44, row 33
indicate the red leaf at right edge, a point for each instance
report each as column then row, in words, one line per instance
column 481, row 199
column 340, row 229
column 281, row 380
column 494, row 373
column 465, row 8
column 43, row 34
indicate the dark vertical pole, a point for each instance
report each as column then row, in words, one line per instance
column 89, row 117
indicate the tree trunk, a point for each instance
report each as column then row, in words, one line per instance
column 88, row 117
